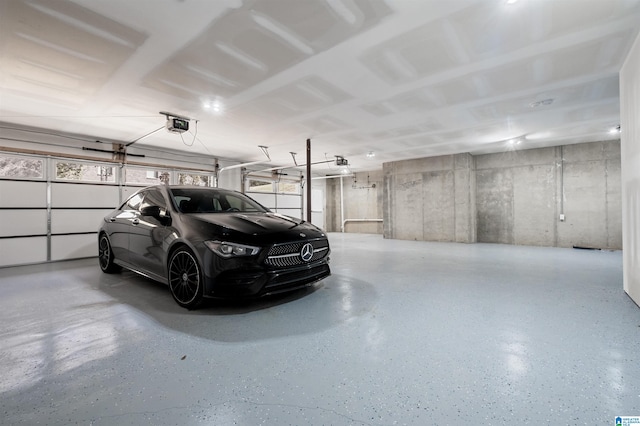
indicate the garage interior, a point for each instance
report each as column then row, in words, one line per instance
column 475, row 163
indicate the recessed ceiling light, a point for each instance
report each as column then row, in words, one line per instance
column 511, row 1
column 215, row 106
column 371, row 154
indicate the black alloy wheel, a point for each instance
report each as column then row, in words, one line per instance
column 105, row 256
column 185, row 279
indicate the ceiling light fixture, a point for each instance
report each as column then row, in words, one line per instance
column 215, row 106
column 371, row 154
column 512, row 1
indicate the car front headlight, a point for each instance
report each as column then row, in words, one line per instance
column 226, row 249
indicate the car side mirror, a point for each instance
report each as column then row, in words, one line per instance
column 157, row 212
column 153, row 211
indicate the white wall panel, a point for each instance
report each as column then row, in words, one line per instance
column 73, row 246
column 23, row 194
column 630, row 154
column 317, row 218
column 66, row 221
column 21, row 251
column 289, row 201
column 22, row 222
column 84, row 195
column 317, row 205
column 317, row 200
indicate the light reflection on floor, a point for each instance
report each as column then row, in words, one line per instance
column 402, row 333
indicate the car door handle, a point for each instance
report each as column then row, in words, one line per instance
column 135, row 221
column 112, row 219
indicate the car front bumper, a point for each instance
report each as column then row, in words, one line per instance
column 245, row 279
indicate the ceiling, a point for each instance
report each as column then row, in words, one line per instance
column 397, row 78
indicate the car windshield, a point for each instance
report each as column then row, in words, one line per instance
column 206, row 200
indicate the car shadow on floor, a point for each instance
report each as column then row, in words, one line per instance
column 324, row 305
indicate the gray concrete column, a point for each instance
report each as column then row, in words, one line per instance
column 465, row 198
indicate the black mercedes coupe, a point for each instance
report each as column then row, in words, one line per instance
column 211, row 243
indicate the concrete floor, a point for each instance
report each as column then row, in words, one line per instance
column 402, row 333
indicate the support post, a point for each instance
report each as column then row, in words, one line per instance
column 309, row 180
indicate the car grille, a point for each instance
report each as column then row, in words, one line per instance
column 288, row 254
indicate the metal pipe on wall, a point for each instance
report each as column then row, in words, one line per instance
column 344, row 222
column 341, row 204
column 562, row 182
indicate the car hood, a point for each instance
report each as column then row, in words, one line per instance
column 274, row 225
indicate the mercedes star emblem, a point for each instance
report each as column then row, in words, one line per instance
column 307, row 252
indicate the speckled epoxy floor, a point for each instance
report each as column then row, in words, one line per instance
column 402, row 333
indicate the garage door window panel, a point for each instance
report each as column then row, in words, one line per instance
column 255, row 185
column 195, row 179
column 288, row 187
column 145, row 176
column 84, row 172
column 17, row 167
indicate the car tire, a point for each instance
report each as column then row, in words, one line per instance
column 185, row 278
column 105, row 256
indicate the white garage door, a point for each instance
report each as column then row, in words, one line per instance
column 284, row 197
column 51, row 209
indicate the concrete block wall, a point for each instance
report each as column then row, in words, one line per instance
column 592, row 196
column 430, row 199
column 521, row 195
column 514, row 197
